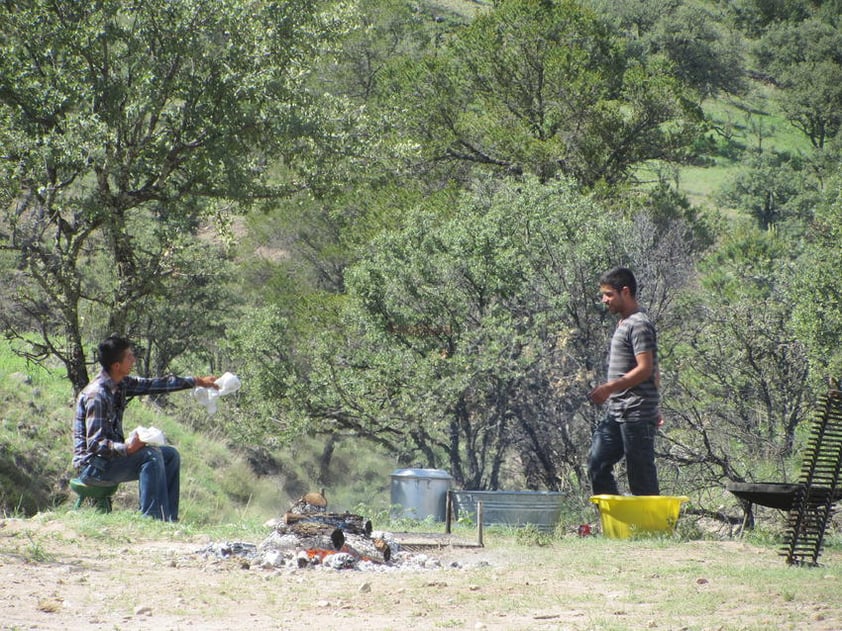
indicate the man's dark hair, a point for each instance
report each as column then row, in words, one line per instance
column 618, row 278
column 111, row 350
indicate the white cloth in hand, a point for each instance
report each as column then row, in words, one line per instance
column 151, row 436
column 226, row 384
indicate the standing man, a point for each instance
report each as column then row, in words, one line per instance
column 101, row 452
column 630, row 393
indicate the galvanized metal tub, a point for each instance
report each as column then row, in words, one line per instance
column 542, row 509
column 420, row 493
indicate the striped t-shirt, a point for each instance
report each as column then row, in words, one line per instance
column 634, row 335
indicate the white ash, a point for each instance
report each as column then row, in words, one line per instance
column 283, row 551
column 229, row 549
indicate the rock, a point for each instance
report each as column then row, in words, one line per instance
column 272, row 558
column 340, row 561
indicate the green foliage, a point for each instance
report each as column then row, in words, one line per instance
column 813, row 100
column 267, row 343
column 447, row 318
column 773, row 193
column 153, row 112
column 816, row 292
column 790, row 43
column 754, row 16
column 703, row 52
column 467, row 334
column 806, row 59
column 539, row 88
column 737, row 387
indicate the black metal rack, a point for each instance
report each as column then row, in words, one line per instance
column 818, row 485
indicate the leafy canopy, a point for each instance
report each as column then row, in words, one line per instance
column 126, row 125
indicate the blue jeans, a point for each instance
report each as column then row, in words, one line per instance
column 157, row 470
column 636, row 441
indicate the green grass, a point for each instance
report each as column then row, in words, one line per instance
column 755, row 122
column 126, row 526
column 218, row 485
column 740, row 126
column 36, row 416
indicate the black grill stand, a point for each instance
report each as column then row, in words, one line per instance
column 818, row 488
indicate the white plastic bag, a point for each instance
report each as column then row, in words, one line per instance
column 151, row 436
column 226, row 384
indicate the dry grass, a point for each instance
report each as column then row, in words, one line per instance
column 155, row 578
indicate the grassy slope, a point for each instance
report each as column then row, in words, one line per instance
column 218, row 484
column 747, row 124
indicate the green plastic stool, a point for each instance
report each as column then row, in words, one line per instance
column 99, row 495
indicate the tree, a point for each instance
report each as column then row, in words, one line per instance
column 469, row 338
column 774, row 192
column 754, row 16
column 815, row 293
column 127, row 125
column 539, row 88
column 793, row 42
column 384, row 29
column 445, row 325
column 702, row 51
column 737, row 385
column 805, row 59
column 812, row 100
column 362, row 188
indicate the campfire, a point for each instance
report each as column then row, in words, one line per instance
column 308, row 535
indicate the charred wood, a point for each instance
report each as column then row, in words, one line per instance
column 363, row 548
column 347, row 522
column 314, row 535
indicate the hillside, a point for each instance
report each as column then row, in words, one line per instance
column 219, row 483
column 222, row 481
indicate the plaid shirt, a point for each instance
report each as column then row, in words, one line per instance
column 98, row 426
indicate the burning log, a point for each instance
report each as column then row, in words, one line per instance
column 365, row 549
column 380, row 546
column 309, row 535
column 347, row 522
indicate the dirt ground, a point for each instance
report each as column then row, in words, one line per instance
column 53, row 578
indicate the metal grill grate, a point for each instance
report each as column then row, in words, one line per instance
column 813, row 504
column 423, row 542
